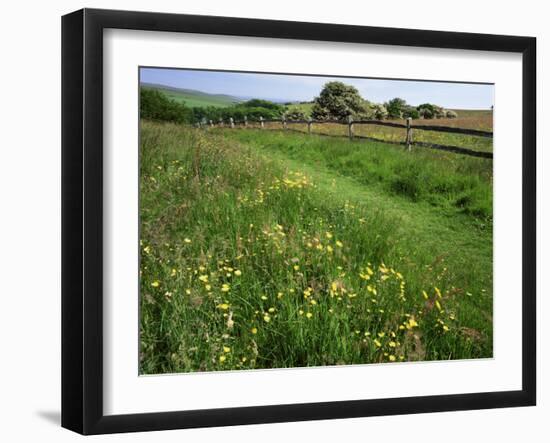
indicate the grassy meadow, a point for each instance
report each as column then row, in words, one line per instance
column 271, row 249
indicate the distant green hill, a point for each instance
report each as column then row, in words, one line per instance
column 193, row 97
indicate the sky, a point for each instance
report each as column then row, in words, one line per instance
column 280, row 87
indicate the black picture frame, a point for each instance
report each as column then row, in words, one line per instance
column 82, row 218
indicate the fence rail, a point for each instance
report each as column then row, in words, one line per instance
column 350, row 123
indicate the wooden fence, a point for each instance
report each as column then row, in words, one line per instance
column 350, row 123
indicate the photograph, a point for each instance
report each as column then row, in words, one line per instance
column 291, row 221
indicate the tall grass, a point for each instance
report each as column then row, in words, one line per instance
column 249, row 261
column 449, row 181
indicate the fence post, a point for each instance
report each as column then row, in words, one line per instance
column 350, row 127
column 245, row 121
column 408, row 139
column 232, row 122
column 309, row 124
column 261, row 122
column 283, row 120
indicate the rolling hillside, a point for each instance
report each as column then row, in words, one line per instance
column 193, row 97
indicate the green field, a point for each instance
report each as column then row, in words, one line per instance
column 193, row 98
column 265, row 249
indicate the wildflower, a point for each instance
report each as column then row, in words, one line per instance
column 438, row 304
column 301, row 312
column 392, row 357
column 309, row 315
column 223, row 306
column 254, row 330
column 203, row 278
column 381, row 334
column 392, row 344
column 267, row 318
column 425, row 295
column 279, row 294
column 155, row 284
column 411, row 323
column 339, row 243
column 377, row 343
column 188, row 291
column 263, row 297
column 445, row 328
column 222, row 358
column 173, row 273
column 244, row 359
column 438, row 292
column 328, row 235
column 187, row 240
column 207, row 287
column 296, row 267
column 238, row 273
column 226, row 349
column 147, row 249
column 329, row 248
column 271, row 310
column 225, row 287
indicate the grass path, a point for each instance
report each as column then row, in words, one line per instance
column 452, row 237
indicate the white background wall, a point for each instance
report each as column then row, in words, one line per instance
column 30, row 219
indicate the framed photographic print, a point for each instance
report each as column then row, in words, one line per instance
column 269, row 221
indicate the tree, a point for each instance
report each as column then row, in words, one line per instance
column 337, row 101
column 395, row 107
column 428, row 110
column 154, row 105
column 379, row 111
column 295, row 114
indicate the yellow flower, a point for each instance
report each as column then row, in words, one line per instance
column 438, row 304
column 222, row 358
column 412, row 323
column 203, row 278
column 392, row 344
column 271, row 310
column 155, row 284
column 225, row 287
column 339, row 243
column 263, row 297
column 445, row 328
column 296, row 267
column 254, row 330
column 226, row 349
column 425, row 295
column 392, row 357
column 147, row 249
column 438, row 292
column 173, row 273
column 377, row 343
column 328, row 235
column 207, row 287
column 301, row 312
column 309, row 315
column 329, row 248
column 279, row 294
column 238, row 273
column 188, row 291
column 267, row 318
column 223, row 306
column 187, row 240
